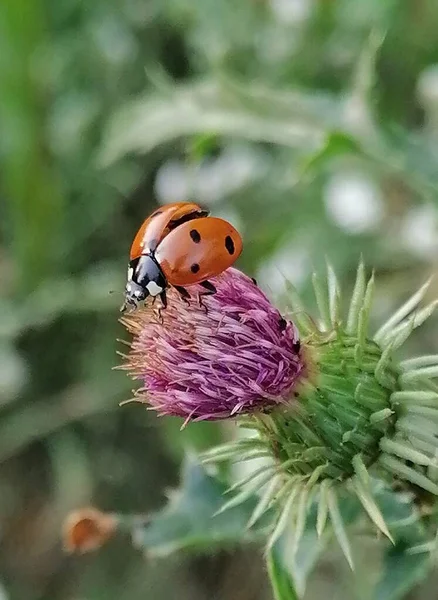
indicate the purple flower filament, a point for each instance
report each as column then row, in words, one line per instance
column 233, row 354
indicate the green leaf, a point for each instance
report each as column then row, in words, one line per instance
column 401, row 571
column 336, row 143
column 188, row 521
column 282, row 584
column 220, row 108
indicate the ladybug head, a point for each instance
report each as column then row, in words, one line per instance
column 134, row 294
column 145, row 278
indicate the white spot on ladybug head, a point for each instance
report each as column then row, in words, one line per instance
column 153, row 288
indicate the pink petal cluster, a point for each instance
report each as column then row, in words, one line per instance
column 230, row 354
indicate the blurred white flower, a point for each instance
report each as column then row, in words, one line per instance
column 354, row 202
column 13, row 374
column 172, row 182
column 292, row 11
column 419, row 231
column 3, row 594
column 427, row 92
column 235, row 168
column 212, row 180
column 114, row 40
column 427, row 87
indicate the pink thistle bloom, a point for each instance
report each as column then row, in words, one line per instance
column 232, row 354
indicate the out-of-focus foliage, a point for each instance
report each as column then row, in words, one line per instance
column 311, row 124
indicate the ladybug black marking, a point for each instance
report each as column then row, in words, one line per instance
column 194, row 234
column 194, row 268
column 229, row 244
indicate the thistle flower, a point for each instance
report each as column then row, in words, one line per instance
column 229, row 354
column 330, row 411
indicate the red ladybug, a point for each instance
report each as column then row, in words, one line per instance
column 179, row 245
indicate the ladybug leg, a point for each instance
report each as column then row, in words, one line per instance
column 183, row 293
column 210, row 289
column 163, row 299
column 158, row 311
column 207, row 285
column 254, row 280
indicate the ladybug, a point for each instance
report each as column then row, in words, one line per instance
column 179, row 245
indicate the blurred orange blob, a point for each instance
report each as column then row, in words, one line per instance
column 87, row 529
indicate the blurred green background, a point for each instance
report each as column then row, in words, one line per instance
column 312, row 125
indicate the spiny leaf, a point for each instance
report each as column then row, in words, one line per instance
column 285, row 514
column 357, row 299
column 415, row 397
column 322, row 507
column 419, row 361
column 302, row 320
column 406, row 451
column 381, row 415
column 395, row 466
column 402, row 312
column 371, row 507
column 252, row 476
column 424, row 429
column 242, row 496
column 418, row 374
column 381, row 370
column 364, row 314
column 398, row 336
column 301, row 517
column 338, row 526
column 423, row 411
column 361, row 470
column 334, row 296
column 266, row 498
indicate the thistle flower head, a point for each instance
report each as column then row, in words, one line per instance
column 352, row 414
column 228, row 354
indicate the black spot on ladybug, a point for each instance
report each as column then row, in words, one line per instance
column 229, row 244
column 194, row 268
column 194, row 234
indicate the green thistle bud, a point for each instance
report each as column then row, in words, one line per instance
column 356, row 414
